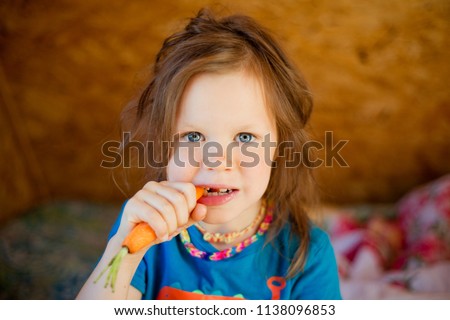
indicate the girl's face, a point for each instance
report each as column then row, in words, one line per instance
column 227, row 141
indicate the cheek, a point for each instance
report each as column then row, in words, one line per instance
column 256, row 157
column 182, row 165
column 173, row 171
column 257, row 170
column 257, row 181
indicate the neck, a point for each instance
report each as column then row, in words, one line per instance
column 223, row 236
column 237, row 224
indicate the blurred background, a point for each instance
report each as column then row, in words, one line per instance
column 379, row 72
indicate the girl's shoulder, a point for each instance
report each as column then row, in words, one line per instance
column 289, row 240
column 318, row 237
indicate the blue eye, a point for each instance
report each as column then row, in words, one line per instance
column 193, row 136
column 245, row 137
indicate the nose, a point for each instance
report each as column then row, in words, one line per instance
column 216, row 157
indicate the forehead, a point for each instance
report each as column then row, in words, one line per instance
column 231, row 98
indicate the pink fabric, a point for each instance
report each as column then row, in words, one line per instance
column 424, row 216
column 415, row 233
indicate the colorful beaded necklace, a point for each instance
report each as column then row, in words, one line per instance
column 227, row 253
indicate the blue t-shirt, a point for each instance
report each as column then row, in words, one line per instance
column 168, row 271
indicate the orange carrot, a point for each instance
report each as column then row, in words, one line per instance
column 141, row 236
column 199, row 192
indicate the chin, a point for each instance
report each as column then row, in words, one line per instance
column 210, row 219
column 217, row 218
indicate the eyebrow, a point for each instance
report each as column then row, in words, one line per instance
column 186, row 126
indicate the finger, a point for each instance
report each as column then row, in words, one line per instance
column 137, row 210
column 198, row 214
column 185, row 188
column 184, row 199
column 162, row 205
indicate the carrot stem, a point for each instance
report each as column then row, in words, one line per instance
column 113, row 267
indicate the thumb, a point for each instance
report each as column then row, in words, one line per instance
column 198, row 214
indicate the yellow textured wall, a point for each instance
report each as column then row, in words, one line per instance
column 379, row 71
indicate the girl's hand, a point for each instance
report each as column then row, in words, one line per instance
column 168, row 207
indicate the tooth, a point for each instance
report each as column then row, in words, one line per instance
column 223, row 190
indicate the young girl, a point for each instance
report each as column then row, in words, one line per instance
column 234, row 109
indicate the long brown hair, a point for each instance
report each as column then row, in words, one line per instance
column 210, row 44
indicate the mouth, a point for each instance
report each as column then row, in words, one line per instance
column 217, row 195
column 214, row 192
